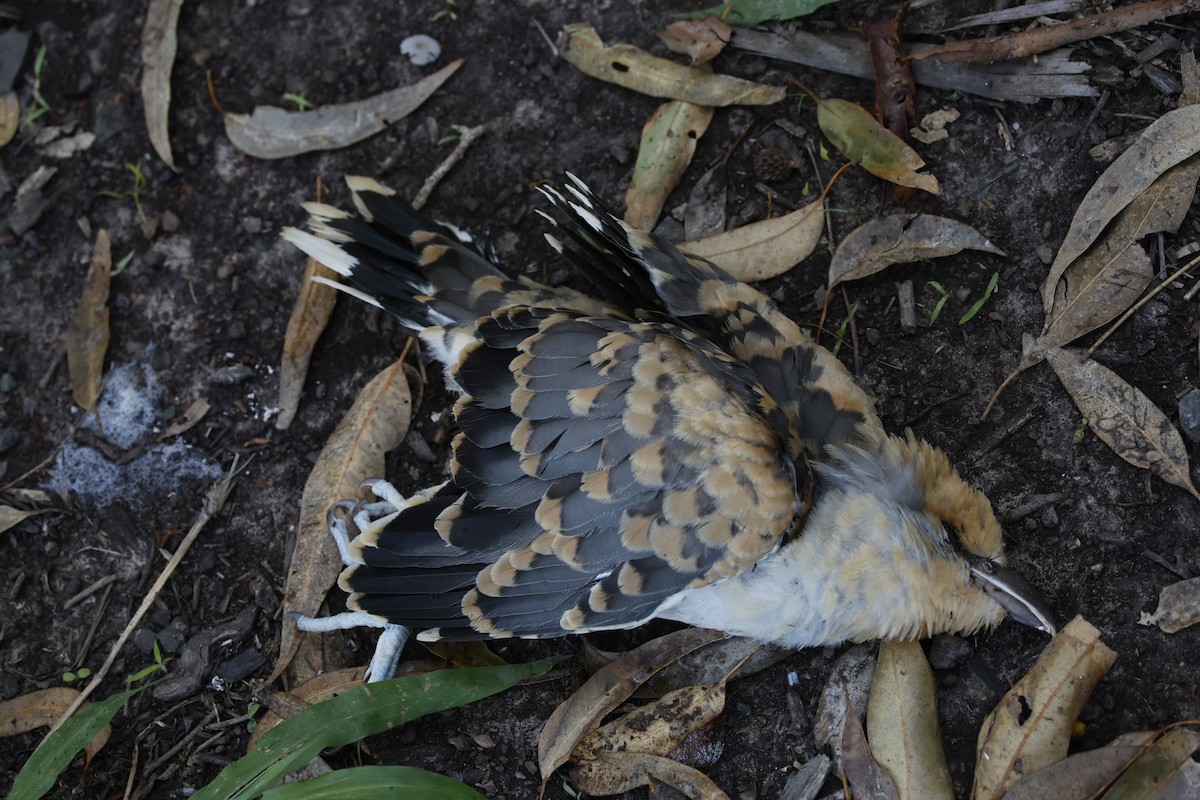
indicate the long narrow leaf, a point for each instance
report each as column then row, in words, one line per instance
column 369, row 709
column 369, row 783
column 47, row 763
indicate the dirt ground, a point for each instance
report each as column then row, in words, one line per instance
column 202, row 308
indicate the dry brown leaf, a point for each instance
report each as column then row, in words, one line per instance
column 645, row 769
column 159, row 43
column 1112, row 274
column 902, row 723
column 376, row 423
column 465, row 654
column 1123, row 418
column 11, row 517
column 701, row 40
column 87, row 333
column 764, row 249
column 28, row 712
column 1178, row 607
column 10, row 116
column 1151, row 775
column 320, row 688
column 1031, row 726
column 632, row 68
column 704, row 214
column 657, row 728
column 854, row 669
column 310, row 315
column 668, row 143
column 860, row 138
column 727, row 659
column 902, row 239
column 1082, row 776
column 189, row 419
column 1170, row 139
column 582, row 712
column 867, row 779
column 272, row 132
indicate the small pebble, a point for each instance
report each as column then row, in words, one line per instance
column 8, row 439
column 170, row 220
column 1050, row 518
column 143, row 640
column 252, row 224
column 173, row 636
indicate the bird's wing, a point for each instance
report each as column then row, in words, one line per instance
column 818, row 396
column 603, row 466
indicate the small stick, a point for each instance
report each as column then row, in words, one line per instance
column 1149, row 295
column 213, row 501
column 467, row 137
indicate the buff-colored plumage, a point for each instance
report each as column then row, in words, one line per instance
column 679, row 449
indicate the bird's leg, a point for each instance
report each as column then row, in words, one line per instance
column 365, row 516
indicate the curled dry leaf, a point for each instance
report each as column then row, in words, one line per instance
column 1032, row 724
column 1178, row 607
column 704, row 214
column 87, row 333
column 159, row 43
column 632, row 68
column 863, row 773
column 655, row 729
column 855, row 670
column 698, row 39
column 1165, row 771
column 376, row 423
column 668, row 143
column 272, row 132
column 310, row 315
column 28, row 712
column 1112, row 274
column 465, row 654
column 1123, row 418
column 902, row 723
column 321, row 687
column 11, row 517
column 1082, row 776
column 902, row 239
column 190, row 417
column 582, row 712
column 860, row 138
column 726, row 659
column 692, row 783
column 764, row 249
column 1169, row 140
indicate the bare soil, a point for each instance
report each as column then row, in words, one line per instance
column 205, row 306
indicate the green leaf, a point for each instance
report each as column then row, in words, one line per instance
column 987, row 294
column 367, row 783
column 48, row 761
column 368, row 709
column 756, row 12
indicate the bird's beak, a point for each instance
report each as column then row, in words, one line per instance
column 1016, row 595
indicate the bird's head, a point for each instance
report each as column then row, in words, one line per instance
column 978, row 585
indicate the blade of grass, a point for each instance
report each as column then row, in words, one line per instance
column 370, row 783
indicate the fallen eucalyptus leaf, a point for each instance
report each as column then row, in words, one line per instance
column 1082, row 776
column 1167, row 141
column 1151, row 774
column 190, row 417
column 582, row 712
column 864, row 774
column 632, row 68
column 725, row 659
column 854, row 669
column 1178, row 607
column 1031, row 726
column 860, row 138
column 40, row 709
column 646, row 769
column 10, row 116
column 310, row 314
column 668, row 142
column 272, row 132
column 701, row 40
column 11, row 517
column 764, row 249
column 375, row 424
column 87, row 333
column 159, row 43
column 1123, row 418
column 704, row 214
column 902, row 239
column 902, row 724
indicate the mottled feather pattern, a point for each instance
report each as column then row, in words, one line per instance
column 678, row 449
